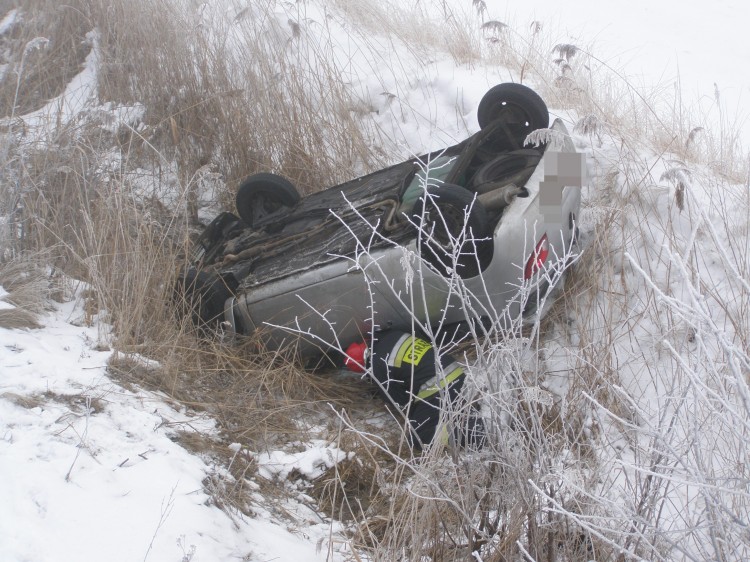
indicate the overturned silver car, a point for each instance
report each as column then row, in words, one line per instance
column 465, row 234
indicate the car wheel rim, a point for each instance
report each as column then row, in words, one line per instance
column 512, row 115
column 263, row 207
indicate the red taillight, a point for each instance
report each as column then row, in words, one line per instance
column 537, row 258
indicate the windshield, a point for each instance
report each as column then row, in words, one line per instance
column 432, row 174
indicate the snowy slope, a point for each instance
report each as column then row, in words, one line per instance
column 91, row 470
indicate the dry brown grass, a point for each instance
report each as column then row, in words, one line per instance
column 244, row 104
column 18, row 319
column 29, row 286
column 259, row 399
column 42, row 71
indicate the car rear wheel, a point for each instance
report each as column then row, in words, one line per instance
column 264, row 197
column 454, row 230
column 521, row 108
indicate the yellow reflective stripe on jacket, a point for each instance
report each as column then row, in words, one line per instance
column 433, row 388
column 409, row 350
column 396, row 356
column 442, row 436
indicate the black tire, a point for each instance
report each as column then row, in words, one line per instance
column 264, row 197
column 442, row 214
column 514, row 167
column 520, row 108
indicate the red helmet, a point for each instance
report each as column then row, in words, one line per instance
column 356, row 357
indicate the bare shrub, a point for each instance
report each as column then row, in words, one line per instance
column 656, row 326
column 447, row 504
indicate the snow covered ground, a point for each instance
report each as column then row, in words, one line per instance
column 90, row 470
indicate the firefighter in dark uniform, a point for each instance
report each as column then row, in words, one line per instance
column 405, row 369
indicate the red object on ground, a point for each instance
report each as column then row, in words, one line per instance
column 355, row 357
